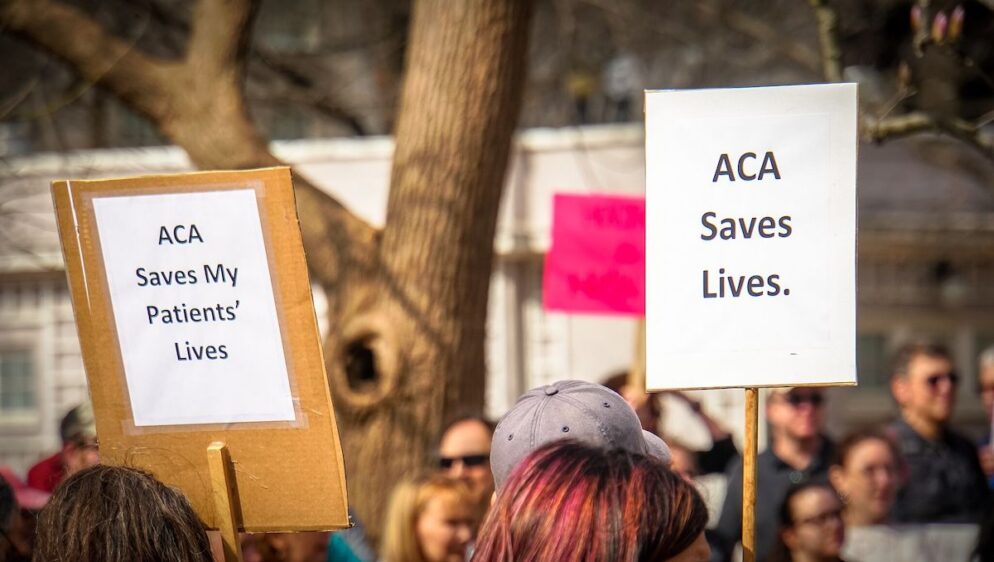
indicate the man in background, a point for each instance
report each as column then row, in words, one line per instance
column 79, row 450
column 985, row 386
column 945, row 483
column 799, row 452
column 464, row 454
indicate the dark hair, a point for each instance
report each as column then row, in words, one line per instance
column 465, row 417
column 616, row 381
column 907, row 352
column 8, row 505
column 619, row 380
column 785, row 517
column 571, row 502
column 117, row 514
column 852, row 440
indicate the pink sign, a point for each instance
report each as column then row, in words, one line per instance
column 597, row 259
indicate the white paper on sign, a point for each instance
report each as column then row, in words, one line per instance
column 751, row 237
column 193, row 304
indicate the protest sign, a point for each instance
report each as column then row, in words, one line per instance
column 197, row 328
column 597, row 260
column 751, row 237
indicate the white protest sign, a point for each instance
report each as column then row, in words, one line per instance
column 194, row 309
column 751, row 237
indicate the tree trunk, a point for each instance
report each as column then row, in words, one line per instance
column 410, row 348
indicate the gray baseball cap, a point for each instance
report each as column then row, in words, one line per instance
column 587, row 412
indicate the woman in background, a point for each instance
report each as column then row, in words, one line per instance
column 431, row 520
column 865, row 472
column 811, row 528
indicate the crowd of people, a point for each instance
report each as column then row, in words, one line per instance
column 574, row 471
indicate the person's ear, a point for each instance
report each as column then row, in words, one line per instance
column 900, row 387
column 789, row 536
column 277, row 541
column 837, row 478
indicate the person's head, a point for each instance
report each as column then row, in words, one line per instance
column 985, row 379
column 923, row 383
column 810, row 524
column 19, row 505
column 118, row 514
column 582, row 411
column 14, row 546
column 646, row 405
column 572, row 502
column 684, row 459
column 429, row 520
column 464, row 454
column 865, row 472
column 796, row 413
column 286, row 547
column 79, row 439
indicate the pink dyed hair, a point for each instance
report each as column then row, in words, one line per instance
column 568, row 502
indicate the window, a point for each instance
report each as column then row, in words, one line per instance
column 871, row 360
column 17, row 381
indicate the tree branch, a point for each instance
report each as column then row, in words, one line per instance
column 219, row 37
column 300, row 86
column 763, row 32
column 209, row 122
column 972, row 134
column 828, row 38
column 880, row 129
column 139, row 80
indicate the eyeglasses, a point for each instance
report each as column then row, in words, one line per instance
column 797, row 400
column 821, row 519
column 934, row 380
column 446, row 463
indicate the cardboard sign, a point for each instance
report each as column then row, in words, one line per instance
column 597, row 260
column 751, row 237
column 196, row 325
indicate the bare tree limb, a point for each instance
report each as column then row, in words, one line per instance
column 202, row 112
column 300, row 87
column 879, row 129
column 828, row 38
column 763, row 32
column 74, row 37
column 219, row 37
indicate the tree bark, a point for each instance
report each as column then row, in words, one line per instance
column 410, row 350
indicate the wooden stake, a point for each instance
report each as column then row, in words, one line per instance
column 749, row 475
column 222, row 486
column 636, row 375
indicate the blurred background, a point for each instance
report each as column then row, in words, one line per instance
column 322, row 83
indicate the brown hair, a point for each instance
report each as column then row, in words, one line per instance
column 907, row 352
column 117, row 514
column 570, row 502
column 858, row 437
column 407, row 502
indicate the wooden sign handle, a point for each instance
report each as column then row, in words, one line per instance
column 636, row 375
column 222, row 489
column 749, row 475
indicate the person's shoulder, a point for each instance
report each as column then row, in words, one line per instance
column 959, row 442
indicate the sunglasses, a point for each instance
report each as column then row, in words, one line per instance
column 934, row 380
column 821, row 519
column 445, row 463
column 797, row 400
